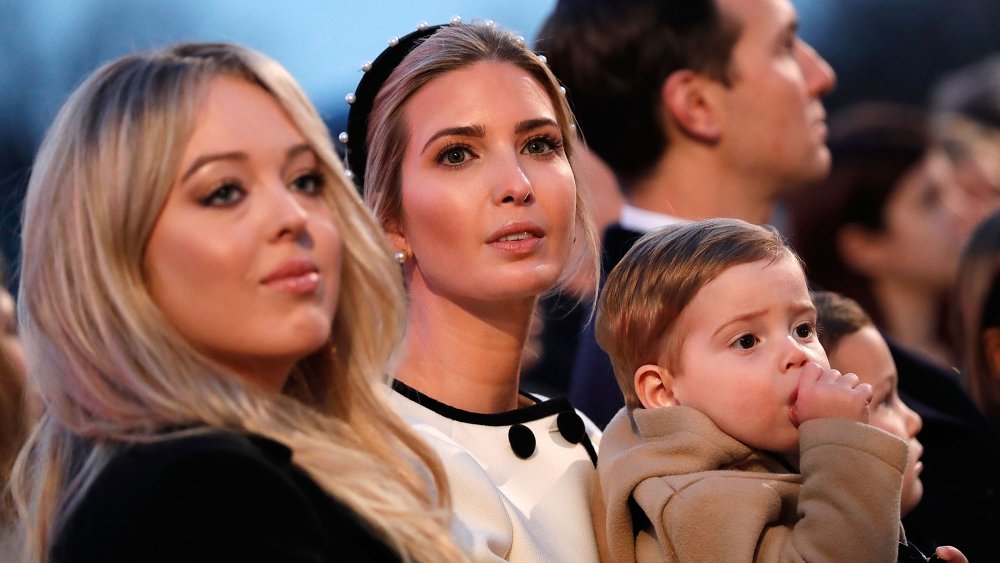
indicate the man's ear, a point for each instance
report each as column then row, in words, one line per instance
column 655, row 386
column 686, row 96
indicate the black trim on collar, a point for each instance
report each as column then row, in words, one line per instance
column 540, row 409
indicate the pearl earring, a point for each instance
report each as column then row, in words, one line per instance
column 401, row 256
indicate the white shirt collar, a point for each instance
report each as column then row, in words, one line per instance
column 643, row 220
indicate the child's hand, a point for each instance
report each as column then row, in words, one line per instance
column 825, row 393
column 948, row 553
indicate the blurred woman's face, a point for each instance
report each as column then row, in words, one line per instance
column 489, row 197
column 923, row 238
column 245, row 257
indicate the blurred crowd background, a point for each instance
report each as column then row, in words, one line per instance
column 882, row 50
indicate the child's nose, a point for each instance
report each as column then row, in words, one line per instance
column 795, row 356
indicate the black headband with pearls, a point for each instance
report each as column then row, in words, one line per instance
column 362, row 99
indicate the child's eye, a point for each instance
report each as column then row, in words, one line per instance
column 228, row 193
column 310, row 183
column 888, row 399
column 746, row 342
column 805, row 330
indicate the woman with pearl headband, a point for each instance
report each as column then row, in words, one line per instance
column 462, row 142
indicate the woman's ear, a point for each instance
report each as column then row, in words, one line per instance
column 655, row 386
column 861, row 249
column 397, row 239
column 686, row 97
column 991, row 350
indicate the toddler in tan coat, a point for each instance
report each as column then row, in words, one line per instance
column 737, row 441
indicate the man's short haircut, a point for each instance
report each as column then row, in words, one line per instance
column 837, row 316
column 613, row 57
column 648, row 290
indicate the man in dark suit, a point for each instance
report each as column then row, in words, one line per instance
column 707, row 108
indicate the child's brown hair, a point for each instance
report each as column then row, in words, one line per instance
column 647, row 291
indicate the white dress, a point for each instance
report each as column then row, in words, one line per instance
column 520, row 480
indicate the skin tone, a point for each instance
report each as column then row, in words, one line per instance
column 488, row 220
column 245, row 257
column 751, row 361
column 736, row 148
column 865, row 353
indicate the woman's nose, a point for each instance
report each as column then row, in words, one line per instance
column 287, row 216
column 512, row 185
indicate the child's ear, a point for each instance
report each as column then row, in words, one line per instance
column 655, row 386
column 687, row 98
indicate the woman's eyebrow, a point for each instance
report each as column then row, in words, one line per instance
column 462, row 131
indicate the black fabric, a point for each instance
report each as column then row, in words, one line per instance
column 566, row 331
column 212, row 497
column 961, row 459
column 369, row 86
column 593, row 388
column 563, row 319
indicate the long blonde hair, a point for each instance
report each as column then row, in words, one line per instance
column 110, row 368
column 451, row 48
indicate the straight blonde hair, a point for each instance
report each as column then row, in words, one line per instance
column 110, row 368
column 658, row 277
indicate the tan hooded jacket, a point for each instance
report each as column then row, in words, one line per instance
column 673, row 487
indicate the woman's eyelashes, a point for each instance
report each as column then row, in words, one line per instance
column 543, row 145
column 230, row 192
column 457, row 155
column 312, row 182
column 227, row 193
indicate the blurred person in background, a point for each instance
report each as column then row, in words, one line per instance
column 854, row 345
column 965, row 129
column 977, row 317
column 709, row 108
column 878, row 231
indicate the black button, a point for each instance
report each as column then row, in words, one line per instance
column 522, row 441
column 570, row 426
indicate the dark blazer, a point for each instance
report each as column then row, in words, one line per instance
column 211, row 497
column 593, row 388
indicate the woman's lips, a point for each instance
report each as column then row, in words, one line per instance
column 294, row 276
column 517, row 238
